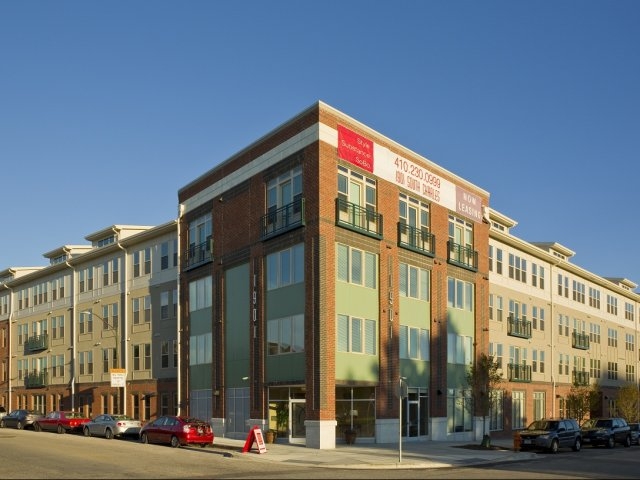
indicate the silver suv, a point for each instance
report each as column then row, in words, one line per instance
column 552, row 434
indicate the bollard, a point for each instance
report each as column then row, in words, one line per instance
column 516, row 442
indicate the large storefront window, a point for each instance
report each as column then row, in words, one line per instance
column 356, row 409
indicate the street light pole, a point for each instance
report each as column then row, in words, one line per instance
column 401, row 396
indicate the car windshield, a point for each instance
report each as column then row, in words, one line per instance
column 597, row 423
column 543, row 425
column 121, row 417
column 74, row 415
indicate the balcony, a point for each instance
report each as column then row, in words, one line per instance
column 415, row 239
column 200, row 254
column 519, row 372
column 580, row 340
column 518, row 328
column 462, row 256
column 283, row 219
column 36, row 379
column 580, row 378
column 36, row 343
column 361, row 220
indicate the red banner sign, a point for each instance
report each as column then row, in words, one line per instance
column 354, row 148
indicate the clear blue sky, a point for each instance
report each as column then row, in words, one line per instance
column 108, row 108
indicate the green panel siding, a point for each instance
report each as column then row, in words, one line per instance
column 200, row 376
column 200, row 321
column 461, row 322
column 237, row 318
column 416, row 313
column 286, row 368
column 285, row 301
column 360, row 302
column 356, row 301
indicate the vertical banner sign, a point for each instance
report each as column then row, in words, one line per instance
column 355, row 148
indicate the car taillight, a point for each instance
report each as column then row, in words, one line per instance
column 120, row 424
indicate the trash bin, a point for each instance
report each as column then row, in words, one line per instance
column 516, row 442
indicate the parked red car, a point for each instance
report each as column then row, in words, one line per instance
column 61, row 421
column 177, row 431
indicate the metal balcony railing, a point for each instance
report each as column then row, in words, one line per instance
column 283, row 219
column 36, row 343
column 36, row 379
column 463, row 256
column 517, row 372
column 199, row 254
column 518, row 328
column 358, row 219
column 416, row 239
column 580, row 340
column 580, row 378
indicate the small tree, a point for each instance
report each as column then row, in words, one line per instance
column 627, row 402
column 484, row 377
column 582, row 400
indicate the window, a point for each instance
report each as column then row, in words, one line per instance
column 414, row 282
column 497, row 260
column 459, row 349
column 85, row 360
column 357, row 266
column 285, row 267
column 578, row 292
column 164, row 255
column 142, row 262
column 563, row 286
column 537, row 276
column 285, row 335
column 612, row 337
column 518, row 410
column 496, row 411
column 109, row 359
column 612, row 305
column 200, row 294
column 86, row 321
column 630, row 373
column 563, row 325
column 142, row 356
column 200, row 349
column 460, row 294
column 164, row 354
column 414, row 214
column 164, row 305
column 629, row 311
column 594, row 333
column 495, row 352
column 612, row 371
column 629, row 342
column 200, row 232
column 284, row 190
column 57, row 366
column 359, row 190
column 594, row 368
column 594, row 298
column 57, row 327
column 517, row 268
column 414, row 343
column 357, row 335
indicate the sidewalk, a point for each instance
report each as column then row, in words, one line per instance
column 426, row 454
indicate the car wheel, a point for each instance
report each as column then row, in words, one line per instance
column 37, row 427
column 611, row 442
column 175, row 443
column 554, row 446
column 86, row 431
column 627, row 442
column 203, row 445
column 577, row 445
column 108, row 434
column 61, row 429
column 144, row 438
column 19, row 425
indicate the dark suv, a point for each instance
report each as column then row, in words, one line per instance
column 551, row 434
column 606, row 431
